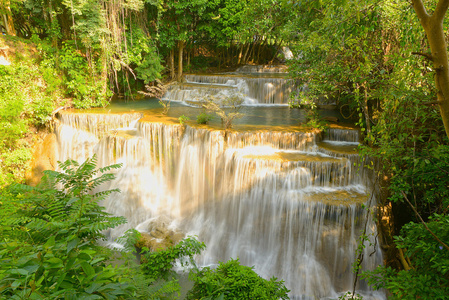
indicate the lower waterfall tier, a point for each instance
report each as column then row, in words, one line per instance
column 277, row 200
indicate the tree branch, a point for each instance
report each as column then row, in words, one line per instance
column 440, row 10
column 426, row 55
column 424, row 223
column 432, row 102
column 421, row 10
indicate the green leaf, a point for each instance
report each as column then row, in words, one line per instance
column 72, row 244
column 55, row 262
column 93, row 287
column 88, row 269
column 50, row 242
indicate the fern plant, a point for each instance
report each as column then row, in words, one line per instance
column 49, row 250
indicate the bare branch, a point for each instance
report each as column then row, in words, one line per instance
column 426, row 55
column 420, row 11
column 424, row 223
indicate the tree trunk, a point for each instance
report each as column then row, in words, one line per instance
column 252, row 52
column 246, row 53
column 261, row 48
column 104, row 73
column 7, row 18
column 189, row 54
column 433, row 26
column 180, row 51
column 240, row 54
column 172, row 64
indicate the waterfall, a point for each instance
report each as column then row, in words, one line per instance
column 285, row 202
column 257, row 85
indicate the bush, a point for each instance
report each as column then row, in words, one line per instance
column 203, row 118
column 226, row 108
column 233, row 281
column 428, row 276
column 182, row 119
column 159, row 264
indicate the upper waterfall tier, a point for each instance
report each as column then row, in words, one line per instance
column 262, row 69
column 254, row 89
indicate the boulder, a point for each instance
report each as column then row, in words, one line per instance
column 158, row 235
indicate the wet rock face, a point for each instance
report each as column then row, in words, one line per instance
column 159, row 235
column 44, row 158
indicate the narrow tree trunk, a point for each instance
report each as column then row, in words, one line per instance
column 172, row 64
column 278, row 47
column 240, row 54
column 252, row 52
column 246, row 53
column 189, row 54
column 366, row 109
column 261, row 47
column 181, row 46
column 54, row 40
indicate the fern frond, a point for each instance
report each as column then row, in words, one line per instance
column 103, row 194
column 110, row 167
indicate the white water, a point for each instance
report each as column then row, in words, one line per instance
column 257, row 85
column 276, row 200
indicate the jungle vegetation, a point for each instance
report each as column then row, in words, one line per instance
column 384, row 62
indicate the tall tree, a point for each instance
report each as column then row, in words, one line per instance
column 433, row 26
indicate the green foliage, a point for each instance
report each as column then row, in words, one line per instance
column 80, row 82
column 159, row 264
column 183, row 119
column 17, row 112
column 49, row 248
column 203, row 118
column 428, row 277
column 308, row 103
column 13, row 164
column 143, row 55
column 12, row 105
column 230, row 280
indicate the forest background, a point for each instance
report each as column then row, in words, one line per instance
column 373, row 57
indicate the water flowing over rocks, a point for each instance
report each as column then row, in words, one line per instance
column 256, row 85
column 288, row 203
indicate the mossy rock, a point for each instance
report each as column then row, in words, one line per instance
column 159, row 236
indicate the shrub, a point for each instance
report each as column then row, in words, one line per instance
column 227, row 108
column 203, row 118
column 233, row 281
column 182, row 119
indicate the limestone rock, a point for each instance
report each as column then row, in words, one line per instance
column 159, row 235
column 44, row 158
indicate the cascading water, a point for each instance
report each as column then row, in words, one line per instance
column 284, row 202
column 255, row 84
